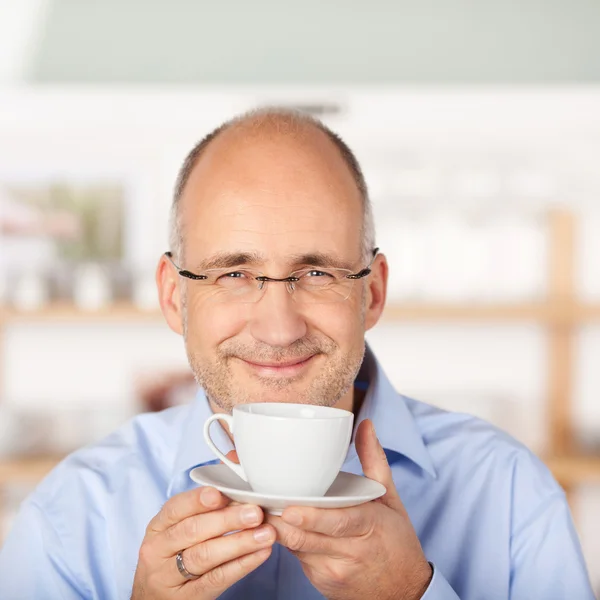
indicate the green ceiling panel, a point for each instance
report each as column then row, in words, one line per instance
column 326, row 41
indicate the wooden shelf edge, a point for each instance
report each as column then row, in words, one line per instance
column 574, row 470
column 545, row 312
column 552, row 312
column 587, row 312
column 67, row 312
column 26, row 470
column 470, row 312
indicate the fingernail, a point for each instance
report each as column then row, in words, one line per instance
column 292, row 517
column 263, row 535
column 209, row 496
column 249, row 515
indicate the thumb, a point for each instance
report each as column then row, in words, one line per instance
column 374, row 463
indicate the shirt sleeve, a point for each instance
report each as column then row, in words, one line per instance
column 546, row 556
column 546, row 559
column 32, row 562
column 439, row 588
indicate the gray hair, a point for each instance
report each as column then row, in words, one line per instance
column 284, row 120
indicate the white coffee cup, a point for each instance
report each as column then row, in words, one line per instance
column 286, row 449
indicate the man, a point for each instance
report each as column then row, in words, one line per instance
column 468, row 513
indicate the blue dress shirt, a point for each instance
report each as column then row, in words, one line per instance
column 490, row 517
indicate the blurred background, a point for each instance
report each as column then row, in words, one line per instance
column 478, row 127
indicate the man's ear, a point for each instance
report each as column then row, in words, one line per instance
column 169, row 294
column 376, row 291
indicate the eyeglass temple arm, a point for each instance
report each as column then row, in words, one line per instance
column 366, row 270
column 183, row 272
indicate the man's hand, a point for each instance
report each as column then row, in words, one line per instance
column 367, row 551
column 194, row 523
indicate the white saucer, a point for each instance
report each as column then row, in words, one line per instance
column 347, row 490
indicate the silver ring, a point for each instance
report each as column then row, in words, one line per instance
column 181, row 568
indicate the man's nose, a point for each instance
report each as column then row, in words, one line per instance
column 276, row 320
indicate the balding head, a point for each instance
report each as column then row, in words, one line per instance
column 271, row 123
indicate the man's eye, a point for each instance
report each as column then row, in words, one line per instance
column 234, row 278
column 316, row 273
column 316, row 278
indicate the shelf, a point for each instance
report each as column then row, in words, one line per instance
column 68, row 312
column 568, row 470
column 574, row 470
column 554, row 312
column 469, row 312
column 534, row 312
column 26, row 470
column 587, row 312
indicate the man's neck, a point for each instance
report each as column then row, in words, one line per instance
column 352, row 400
column 357, row 401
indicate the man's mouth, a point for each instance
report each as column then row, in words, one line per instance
column 286, row 368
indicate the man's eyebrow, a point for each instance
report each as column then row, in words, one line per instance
column 226, row 260
column 320, row 259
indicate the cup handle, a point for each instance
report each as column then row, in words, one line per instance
column 237, row 469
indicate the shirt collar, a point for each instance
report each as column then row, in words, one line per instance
column 193, row 451
column 395, row 425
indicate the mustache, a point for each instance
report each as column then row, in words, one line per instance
column 263, row 352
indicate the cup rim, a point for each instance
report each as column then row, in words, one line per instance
column 242, row 408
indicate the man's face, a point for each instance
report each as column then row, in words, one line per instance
column 281, row 199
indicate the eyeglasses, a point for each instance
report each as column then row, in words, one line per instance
column 314, row 285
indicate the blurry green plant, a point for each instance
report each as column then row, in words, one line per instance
column 98, row 210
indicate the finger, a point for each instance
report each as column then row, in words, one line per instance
column 202, row 558
column 184, row 505
column 299, row 540
column 199, row 528
column 374, row 463
column 233, row 456
column 335, row 522
column 220, row 579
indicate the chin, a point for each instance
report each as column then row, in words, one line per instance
column 284, row 396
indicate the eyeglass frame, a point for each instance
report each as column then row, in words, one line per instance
column 264, row 278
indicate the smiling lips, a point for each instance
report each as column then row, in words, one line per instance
column 286, row 368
